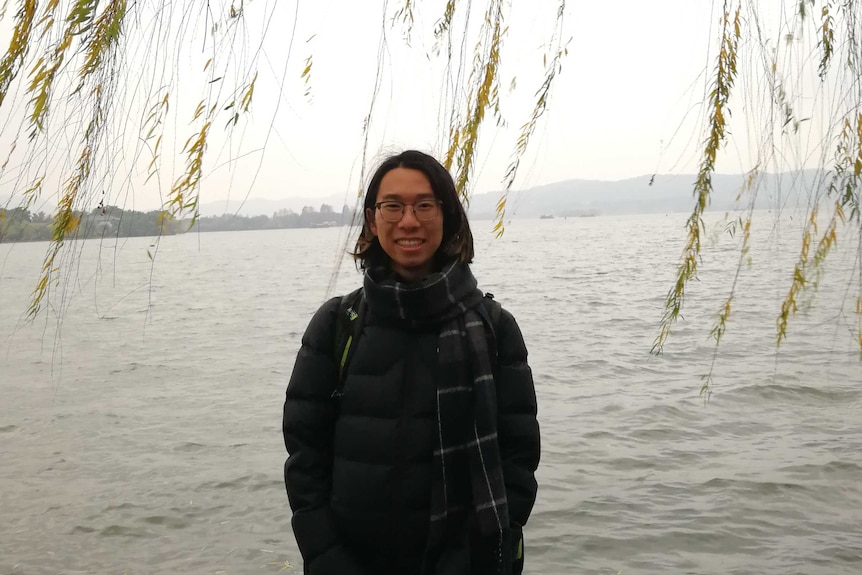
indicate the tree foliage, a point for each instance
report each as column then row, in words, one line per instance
column 75, row 69
column 799, row 88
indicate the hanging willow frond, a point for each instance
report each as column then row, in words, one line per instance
column 483, row 95
column 12, row 61
column 404, row 15
column 184, row 194
column 719, row 98
column 65, row 221
column 552, row 68
column 306, row 75
column 844, row 188
column 827, row 39
column 104, row 40
column 99, row 68
column 445, row 23
column 43, row 75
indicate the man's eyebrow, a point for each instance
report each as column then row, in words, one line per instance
column 395, row 197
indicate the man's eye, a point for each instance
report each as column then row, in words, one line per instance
column 425, row 206
column 391, row 206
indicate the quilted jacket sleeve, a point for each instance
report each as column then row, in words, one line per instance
column 308, row 426
column 517, row 423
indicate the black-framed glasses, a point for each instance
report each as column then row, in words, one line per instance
column 393, row 210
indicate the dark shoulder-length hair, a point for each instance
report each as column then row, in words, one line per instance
column 457, row 237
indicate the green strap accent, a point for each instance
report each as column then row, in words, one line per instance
column 344, row 356
column 520, row 554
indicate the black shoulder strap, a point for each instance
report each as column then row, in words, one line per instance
column 348, row 327
column 490, row 310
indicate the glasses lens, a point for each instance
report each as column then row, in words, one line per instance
column 425, row 210
column 391, row 211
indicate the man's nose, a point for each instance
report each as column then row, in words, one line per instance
column 413, row 221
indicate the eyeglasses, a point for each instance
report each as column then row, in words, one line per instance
column 424, row 210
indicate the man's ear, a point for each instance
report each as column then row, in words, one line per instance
column 369, row 217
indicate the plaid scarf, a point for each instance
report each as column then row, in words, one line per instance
column 466, row 395
column 440, row 297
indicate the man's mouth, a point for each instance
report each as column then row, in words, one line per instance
column 410, row 243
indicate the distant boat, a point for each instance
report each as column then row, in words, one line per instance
column 546, row 217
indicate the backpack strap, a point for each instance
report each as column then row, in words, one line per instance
column 490, row 311
column 348, row 327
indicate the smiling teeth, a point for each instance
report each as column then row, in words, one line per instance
column 409, row 242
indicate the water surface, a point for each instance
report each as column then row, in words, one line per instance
column 140, row 416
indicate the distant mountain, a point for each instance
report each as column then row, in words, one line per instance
column 641, row 195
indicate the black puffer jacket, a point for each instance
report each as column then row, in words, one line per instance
column 359, row 474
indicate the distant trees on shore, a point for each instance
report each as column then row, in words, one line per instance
column 309, row 217
column 20, row 225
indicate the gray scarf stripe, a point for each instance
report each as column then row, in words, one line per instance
column 465, row 446
column 459, row 389
column 449, row 512
column 442, row 459
column 492, row 504
column 496, row 503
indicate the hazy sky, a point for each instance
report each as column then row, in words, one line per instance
column 626, row 104
column 632, row 75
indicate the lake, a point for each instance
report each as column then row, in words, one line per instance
column 140, row 414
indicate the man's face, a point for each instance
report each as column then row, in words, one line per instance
column 410, row 242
